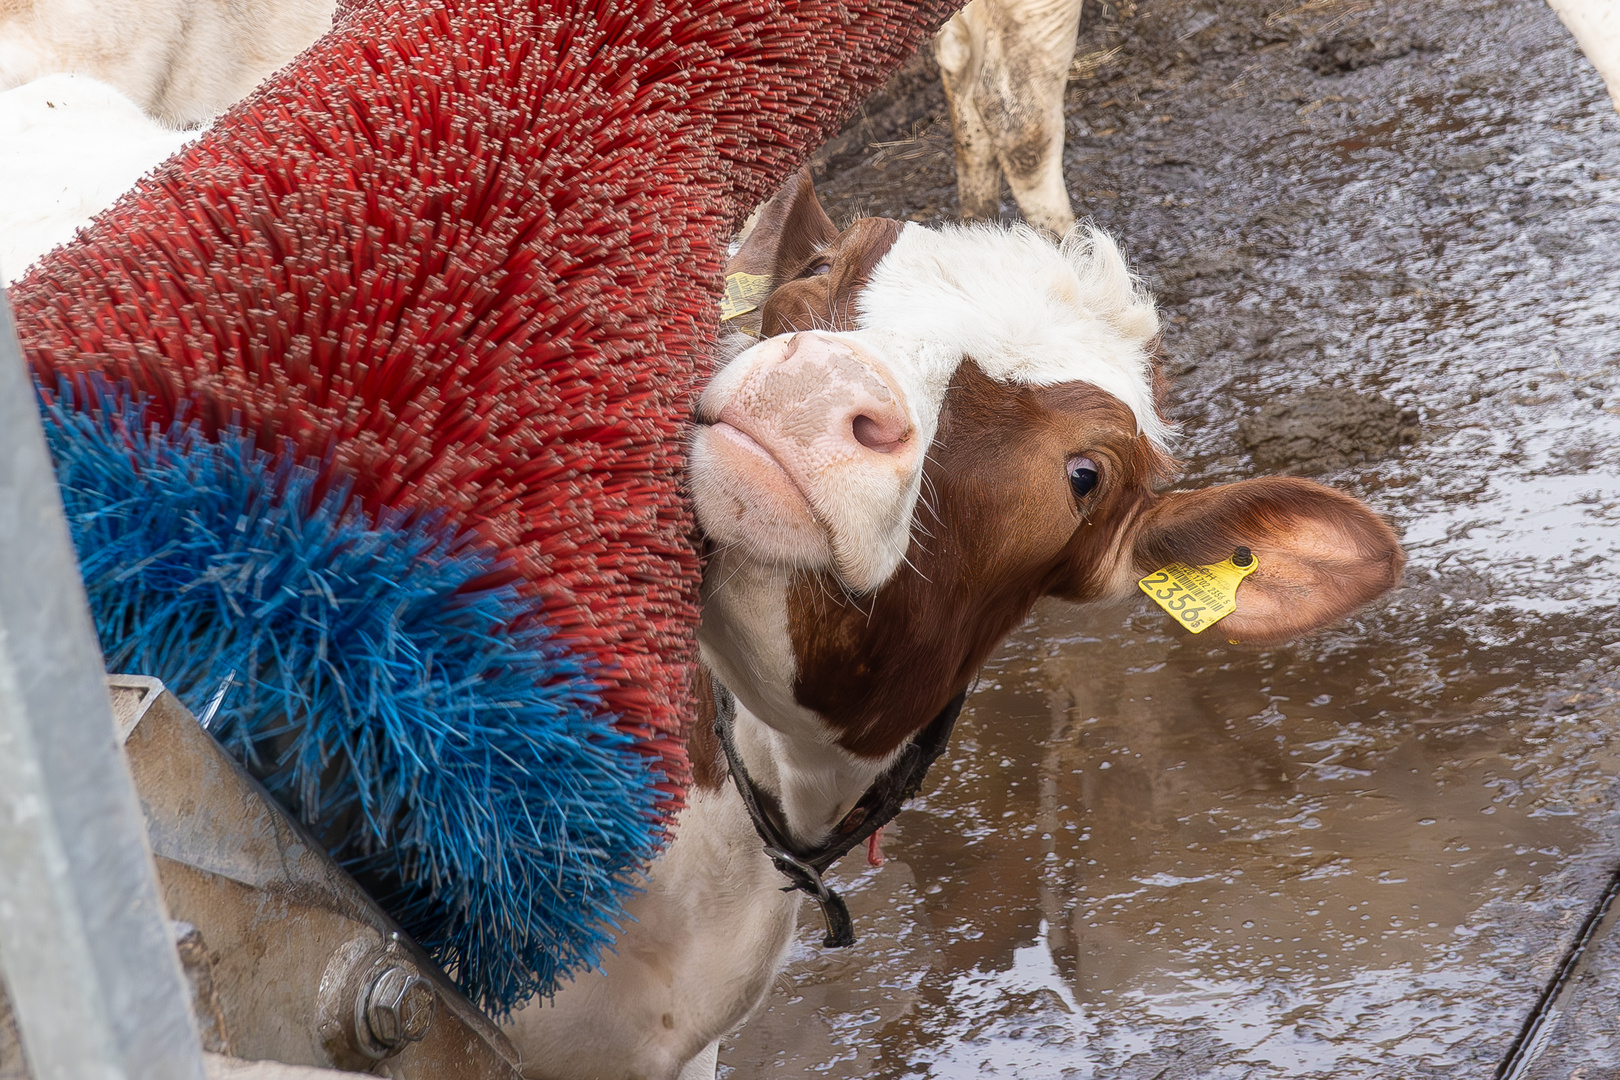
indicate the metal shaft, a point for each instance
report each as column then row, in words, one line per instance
column 1560, row 989
column 85, row 951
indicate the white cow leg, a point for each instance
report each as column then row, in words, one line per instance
column 978, row 175
column 1005, row 64
column 959, row 48
column 1035, row 174
column 1029, row 45
column 704, row 1066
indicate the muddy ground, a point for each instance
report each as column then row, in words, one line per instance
column 1386, row 240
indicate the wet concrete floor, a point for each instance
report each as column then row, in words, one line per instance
column 1150, row 855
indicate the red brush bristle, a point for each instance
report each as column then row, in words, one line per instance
column 469, row 252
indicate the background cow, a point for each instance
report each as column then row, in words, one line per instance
column 938, row 429
column 73, row 145
column 181, row 61
column 1004, row 64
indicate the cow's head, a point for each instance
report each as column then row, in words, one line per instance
column 939, row 427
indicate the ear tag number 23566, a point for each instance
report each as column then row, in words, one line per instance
column 1199, row 596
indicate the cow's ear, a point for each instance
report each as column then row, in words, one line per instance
column 791, row 227
column 1322, row 554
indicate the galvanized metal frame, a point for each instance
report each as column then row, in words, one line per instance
column 86, row 953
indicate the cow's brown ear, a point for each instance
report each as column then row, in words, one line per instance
column 791, row 227
column 1322, row 554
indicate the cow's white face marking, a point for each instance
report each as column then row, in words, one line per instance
column 1023, row 310
column 812, row 450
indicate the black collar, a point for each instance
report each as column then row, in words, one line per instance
column 803, row 866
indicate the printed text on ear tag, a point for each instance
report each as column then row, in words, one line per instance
column 744, row 293
column 1200, row 596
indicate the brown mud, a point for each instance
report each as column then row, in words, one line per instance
column 1151, row 856
column 1323, row 428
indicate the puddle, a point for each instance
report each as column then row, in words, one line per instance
column 1360, row 856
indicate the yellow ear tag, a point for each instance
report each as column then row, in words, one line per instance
column 744, row 293
column 1200, row 596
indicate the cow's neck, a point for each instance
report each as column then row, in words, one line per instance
column 788, row 749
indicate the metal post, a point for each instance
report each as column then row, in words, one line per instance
column 85, row 951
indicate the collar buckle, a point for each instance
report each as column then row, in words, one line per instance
column 803, row 877
column 876, row 807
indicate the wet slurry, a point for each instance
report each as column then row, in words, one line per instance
column 1152, row 855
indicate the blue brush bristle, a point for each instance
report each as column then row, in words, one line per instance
column 448, row 750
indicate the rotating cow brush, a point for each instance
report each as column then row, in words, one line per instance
column 368, row 413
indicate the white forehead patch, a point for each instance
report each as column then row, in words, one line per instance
column 1025, row 310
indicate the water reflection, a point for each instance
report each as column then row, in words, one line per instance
column 1253, row 859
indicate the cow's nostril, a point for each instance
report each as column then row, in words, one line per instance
column 876, row 435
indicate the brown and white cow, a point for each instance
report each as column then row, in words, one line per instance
column 936, row 429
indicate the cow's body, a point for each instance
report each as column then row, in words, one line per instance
column 938, row 429
column 1005, row 64
column 181, row 61
column 73, row 144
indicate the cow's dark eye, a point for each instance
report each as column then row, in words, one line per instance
column 821, row 268
column 1082, row 476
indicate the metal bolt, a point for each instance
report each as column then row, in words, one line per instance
column 399, row 1007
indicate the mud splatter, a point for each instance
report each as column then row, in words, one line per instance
column 1315, row 431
